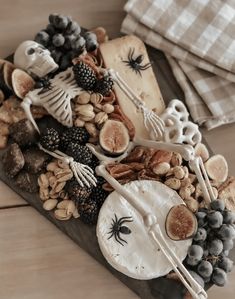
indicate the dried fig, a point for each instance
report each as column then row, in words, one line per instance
column 114, row 137
column 181, row 223
column 22, row 83
column 217, row 168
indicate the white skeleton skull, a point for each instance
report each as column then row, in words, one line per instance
column 34, row 59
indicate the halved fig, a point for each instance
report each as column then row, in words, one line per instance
column 22, row 83
column 8, row 69
column 181, row 223
column 114, row 137
column 217, row 168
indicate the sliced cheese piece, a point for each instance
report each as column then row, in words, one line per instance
column 114, row 53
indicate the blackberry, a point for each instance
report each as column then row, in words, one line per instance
column 94, row 162
column 74, row 134
column 104, row 85
column 89, row 212
column 50, row 140
column 80, row 153
column 99, row 195
column 78, row 193
column 84, row 76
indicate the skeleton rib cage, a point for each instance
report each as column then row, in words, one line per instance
column 56, row 99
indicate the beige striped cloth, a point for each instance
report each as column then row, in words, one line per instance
column 198, row 38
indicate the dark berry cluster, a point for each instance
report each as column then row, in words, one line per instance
column 86, row 79
column 64, row 39
column 51, row 140
column 207, row 257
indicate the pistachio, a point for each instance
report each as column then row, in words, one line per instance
column 179, row 172
column 79, row 123
column 83, row 98
column 61, row 215
column 70, row 208
column 173, row 183
column 43, row 181
column 88, row 117
column 44, row 193
column 50, row 204
column 52, row 181
column 101, row 118
column 161, row 168
column 76, row 214
column 83, row 109
column 91, row 129
column 176, row 159
column 186, row 171
column 49, row 174
column 192, row 204
column 59, row 186
column 108, row 108
column 63, row 204
column 52, row 166
column 185, row 192
column 96, row 98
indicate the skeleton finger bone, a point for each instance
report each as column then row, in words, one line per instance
column 83, row 173
column 152, row 121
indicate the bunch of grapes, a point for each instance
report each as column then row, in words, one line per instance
column 64, row 39
column 207, row 257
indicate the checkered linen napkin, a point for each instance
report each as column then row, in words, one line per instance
column 198, row 38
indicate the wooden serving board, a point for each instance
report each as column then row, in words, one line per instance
column 85, row 236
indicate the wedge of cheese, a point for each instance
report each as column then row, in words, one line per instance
column 116, row 54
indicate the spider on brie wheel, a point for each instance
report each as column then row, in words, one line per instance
column 135, row 63
column 118, row 227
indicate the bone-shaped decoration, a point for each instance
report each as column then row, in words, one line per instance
column 83, row 173
column 178, row 129
column 56, row 99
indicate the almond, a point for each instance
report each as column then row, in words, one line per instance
column 50, row 204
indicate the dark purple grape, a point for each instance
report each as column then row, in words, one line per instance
column 229, row 217
column 217, row 205
column 215, row 219
column 58, row 40
column 205, row 269
column 215, row 247
column 42, row 37
column 226, row 232
column 226, row 264
column 201, row 234
column 219, row 277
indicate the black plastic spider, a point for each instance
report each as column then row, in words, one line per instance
column 43, row 83
column 135, row 63
column 118, row 228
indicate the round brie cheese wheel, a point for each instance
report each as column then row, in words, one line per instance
column 136, row 255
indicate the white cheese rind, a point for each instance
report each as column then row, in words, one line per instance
column 139, row 258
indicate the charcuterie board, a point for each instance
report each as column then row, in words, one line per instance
column 85, row 236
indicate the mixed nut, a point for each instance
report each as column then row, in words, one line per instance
column 52, row 193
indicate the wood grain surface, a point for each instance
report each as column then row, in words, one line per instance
column 30, row 252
